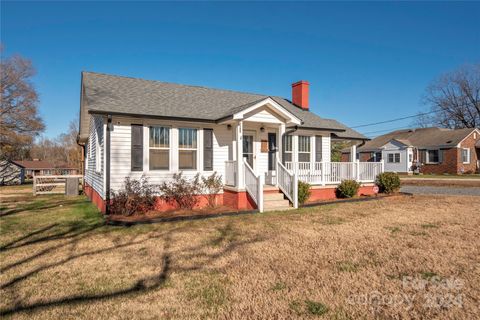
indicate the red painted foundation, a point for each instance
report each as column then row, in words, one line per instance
column 238, row 200
column 162, row 205
column 328, row 193
column 95, row 197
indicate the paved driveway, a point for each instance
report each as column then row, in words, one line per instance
column 471, row 191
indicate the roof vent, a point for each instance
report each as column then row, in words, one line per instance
column 449, row 141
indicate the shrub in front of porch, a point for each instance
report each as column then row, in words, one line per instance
column 181, row 191
column 303, row 192
column 212, row 185
column 347, row 189
column 388, row 182
column 137, row 196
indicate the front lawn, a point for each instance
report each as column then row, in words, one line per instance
column 342, row 261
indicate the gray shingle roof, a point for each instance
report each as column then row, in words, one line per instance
column 419, row 138
column 124, row 95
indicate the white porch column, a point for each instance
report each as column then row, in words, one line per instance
column 353, row 153
column 295, row 149
column 281, row 133
column 239, row 145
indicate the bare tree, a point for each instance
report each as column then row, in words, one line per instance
column 454, row 99
column 19, row 119
column 60, row 150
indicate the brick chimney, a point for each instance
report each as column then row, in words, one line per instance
column 300, row 94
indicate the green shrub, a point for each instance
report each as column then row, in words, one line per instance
column 303, row 192
column 347, row 189
column 388, row 182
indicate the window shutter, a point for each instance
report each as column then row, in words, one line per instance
column 137, row 147
column 318, row 148
column 208, row 149
column 440, row 156
column 423, row 156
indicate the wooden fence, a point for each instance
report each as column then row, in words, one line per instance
column 52, row 184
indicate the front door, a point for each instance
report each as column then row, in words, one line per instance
column 248, row 149
column 272, row 158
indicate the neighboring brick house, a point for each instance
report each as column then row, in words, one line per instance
column 432, row 150
column 35, row 167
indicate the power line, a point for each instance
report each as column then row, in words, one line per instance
column 393, row 120
column 385, row 130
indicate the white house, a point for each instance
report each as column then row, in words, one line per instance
column 258, row 144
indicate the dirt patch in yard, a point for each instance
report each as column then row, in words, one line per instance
column 396, row 258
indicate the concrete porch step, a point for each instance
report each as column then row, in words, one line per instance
column 270, row 205
column 273, row 196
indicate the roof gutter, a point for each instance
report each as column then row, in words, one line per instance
column 137, row 115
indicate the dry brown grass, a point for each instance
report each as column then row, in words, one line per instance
column 308, row 263
column 441, row 183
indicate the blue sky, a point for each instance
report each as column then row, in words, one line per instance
column 365, row 62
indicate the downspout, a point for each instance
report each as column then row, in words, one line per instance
column 107, row 165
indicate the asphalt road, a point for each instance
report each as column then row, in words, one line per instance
column 470, row 191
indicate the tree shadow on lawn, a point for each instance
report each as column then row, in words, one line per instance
column 141, row 286
column 38, row 204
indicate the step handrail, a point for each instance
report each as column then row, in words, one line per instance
column 254, row 185
column 288, row 183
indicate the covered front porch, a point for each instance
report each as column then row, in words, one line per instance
column 269, row 148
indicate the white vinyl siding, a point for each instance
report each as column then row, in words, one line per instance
column 121, row 149
column 94, row 168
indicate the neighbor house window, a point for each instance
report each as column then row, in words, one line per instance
column 303, row 148
column 378, row 156
column 393, row 158
column 159, row 148
column 432, row 156
column 187, row 148
column 287, row 149
column 466, row 155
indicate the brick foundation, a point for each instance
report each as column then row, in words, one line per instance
column 238, row 200
column 162, row 205
column 95, row 197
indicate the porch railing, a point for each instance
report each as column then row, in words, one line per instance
column 254, row 185
column 230, row 173
column 288, row 183
column 335, row 172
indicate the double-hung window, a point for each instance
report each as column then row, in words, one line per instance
column 287, row 149
column 187, row 149
column 159, row 148
column 393, row 158
column 432, row 156
column 303, row 149
column 466, row 155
